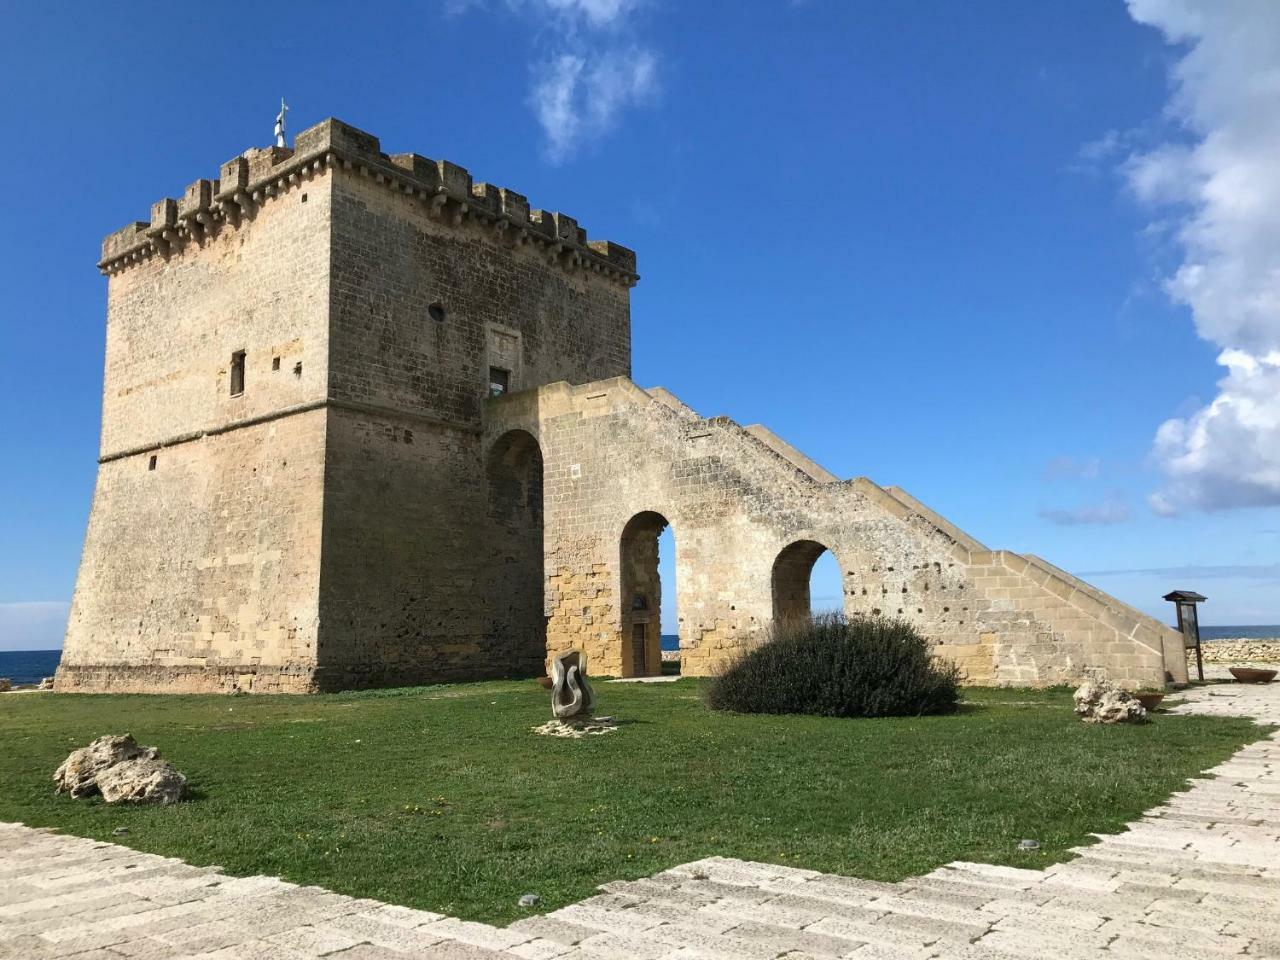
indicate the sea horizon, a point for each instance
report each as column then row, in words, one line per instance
column 31, row 666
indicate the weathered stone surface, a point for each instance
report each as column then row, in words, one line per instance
column 571, row 693
column 1101, row 701
column 1236, row 651
column 142, row 780
column 5, row 685
column 121, row 770
column 78, row 774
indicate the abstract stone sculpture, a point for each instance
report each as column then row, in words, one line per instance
column 1101, row 701
column 117, row 767
column 571, row 694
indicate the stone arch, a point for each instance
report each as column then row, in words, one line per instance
column 790, row 579
column 640, row 595
column 517, row 623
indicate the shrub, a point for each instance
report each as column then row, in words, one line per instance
column 833, row 667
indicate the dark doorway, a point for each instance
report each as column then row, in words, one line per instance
column 517, row 623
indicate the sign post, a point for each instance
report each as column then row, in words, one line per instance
column 1189, row 622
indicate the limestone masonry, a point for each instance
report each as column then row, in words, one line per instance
column 366, row 422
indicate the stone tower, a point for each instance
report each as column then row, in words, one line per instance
column 368, row 423
column 292, row 493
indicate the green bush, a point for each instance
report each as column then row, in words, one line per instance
column 833, row 667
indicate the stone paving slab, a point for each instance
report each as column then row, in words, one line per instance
column 1196, row 877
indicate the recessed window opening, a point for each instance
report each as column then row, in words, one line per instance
column 436, row 311
column 151, row 464
column 237, row 373
column 304, row 198
column 297, row 369
column 275, row 363
column 499, row 381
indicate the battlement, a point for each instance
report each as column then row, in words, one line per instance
column 446, row 190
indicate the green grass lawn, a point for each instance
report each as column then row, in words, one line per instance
column 442, row 798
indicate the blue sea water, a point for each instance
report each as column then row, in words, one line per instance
column 1265, row 632
column 28, row 666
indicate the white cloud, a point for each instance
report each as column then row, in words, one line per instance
column 578, row 99
column 595, row 70
column 33, row 625
column 1228, row 453
column 598, row 13
column 1069, row 468
column 1110, row 511
column 1218, row 169
column 1249, row 571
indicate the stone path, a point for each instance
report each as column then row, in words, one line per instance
column 1197, row 877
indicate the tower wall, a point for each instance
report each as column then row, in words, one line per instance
column 330, row 524
column 416, row 581
column 201, row 564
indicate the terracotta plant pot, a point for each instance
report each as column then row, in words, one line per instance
column 1252, row 674
column 1149, row 701
column 544, row 683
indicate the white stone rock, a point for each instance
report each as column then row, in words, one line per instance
column 1101, row 701
column 142, row 780
column 120, row 769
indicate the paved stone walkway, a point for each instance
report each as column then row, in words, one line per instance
column 1197, row 877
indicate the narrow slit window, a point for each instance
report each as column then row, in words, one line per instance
column 151, row 464
column 499, row 381
column 237, row 373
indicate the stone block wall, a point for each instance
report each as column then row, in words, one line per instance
column 203, row 574
column 335, row 522
column 423, row 307
column 739, row 499
column 201, row 563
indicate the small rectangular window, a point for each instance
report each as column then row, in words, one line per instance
column 275, row 363
column 499, row 381
column 151, row 464
column 237, row 373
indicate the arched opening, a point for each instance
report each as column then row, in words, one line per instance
column 796, row 572
column 517, row 623
column 826, row 585
column 669, row 621
column 641, row 595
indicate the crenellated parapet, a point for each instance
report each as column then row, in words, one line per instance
column 445, row 190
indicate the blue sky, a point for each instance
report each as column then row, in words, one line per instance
column 1019, row 259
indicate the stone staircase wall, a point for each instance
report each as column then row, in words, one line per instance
column 738, row 496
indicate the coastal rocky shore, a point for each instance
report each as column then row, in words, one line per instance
column 1238, row 651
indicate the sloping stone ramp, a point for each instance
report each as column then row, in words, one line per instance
column 1198, row 877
